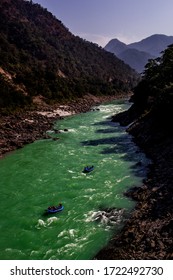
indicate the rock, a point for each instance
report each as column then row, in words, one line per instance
column 153, row 244
column 56, row 131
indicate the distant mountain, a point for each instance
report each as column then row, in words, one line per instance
column 137, row 54
column 154, row 44
column 40, row 56
column 136, row 59
column 115, row 46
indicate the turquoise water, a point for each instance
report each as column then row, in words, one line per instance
column 48, row 172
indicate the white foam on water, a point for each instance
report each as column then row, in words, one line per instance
column 70, row 171
column 108, row 195
column 62, row 233
column 76, row 177
column 110, row 109
column 89, row 216
column 122, row 179
column 99, row 216
column 70, row 245
column 83, row 126
column 73, row 130
column 34, row 253
column 69, row 250
column 113, row 217
column 89, row 197
column 54, row 257
column 119, row 196
column 108, row 159
column 48, row 254
column 70, row 234
column 47, row 223
column 51, row 220
column 90, row 190
column 89, row 176
column 40, row 180
column 40, row 224
column 71, row 237
column 108, row 184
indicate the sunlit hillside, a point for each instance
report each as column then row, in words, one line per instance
column 40, row 56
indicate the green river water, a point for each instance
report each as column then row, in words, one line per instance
column 48, row 172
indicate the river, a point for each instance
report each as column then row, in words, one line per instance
column 48, row 172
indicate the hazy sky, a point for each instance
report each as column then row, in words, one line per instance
column 101, row 20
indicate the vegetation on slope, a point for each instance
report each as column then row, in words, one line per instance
column 44, row 58
column 154, row 94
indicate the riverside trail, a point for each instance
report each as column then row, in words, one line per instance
column 47, row 172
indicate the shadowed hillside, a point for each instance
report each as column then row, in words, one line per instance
column 148, row 232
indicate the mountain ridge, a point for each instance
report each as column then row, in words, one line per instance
column 153, row 44
column 147, row 48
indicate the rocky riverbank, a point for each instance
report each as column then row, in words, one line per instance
column 24, row 127
column 148, row 232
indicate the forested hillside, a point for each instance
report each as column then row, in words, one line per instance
column 39, row 56
column 153, row 96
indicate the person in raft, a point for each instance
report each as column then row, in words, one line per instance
column 55, row 207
